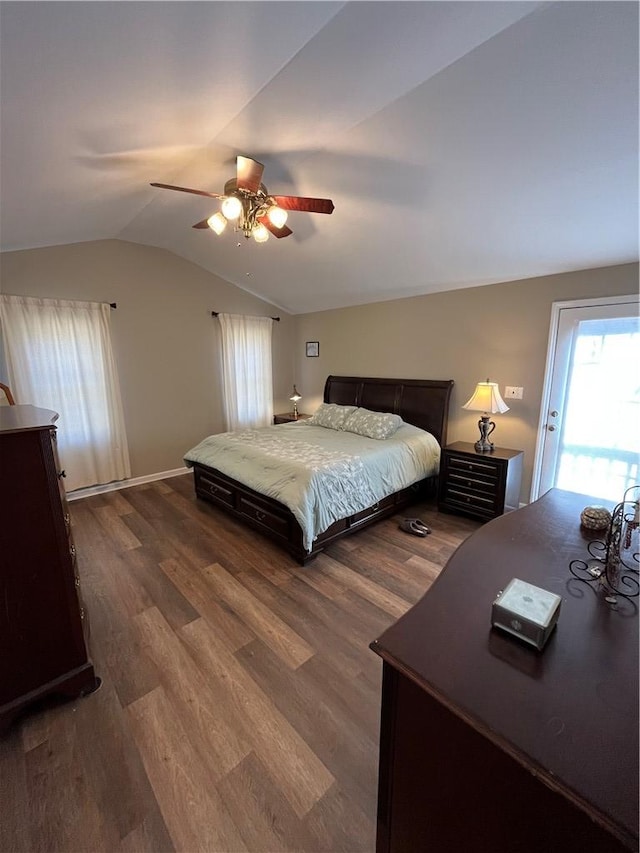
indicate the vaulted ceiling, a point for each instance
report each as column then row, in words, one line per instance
column 462, row 143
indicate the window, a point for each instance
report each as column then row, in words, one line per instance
column 247, row 379
column 59, row 356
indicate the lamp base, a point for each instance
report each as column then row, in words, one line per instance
column 483, row 445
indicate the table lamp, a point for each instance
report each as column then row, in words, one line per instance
column 294, row 399
column 486, row 399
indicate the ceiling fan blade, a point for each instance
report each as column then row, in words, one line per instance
column 311, row 205
column 248, row 174
column 203, row 224
column 187, row 190
column 277, row 232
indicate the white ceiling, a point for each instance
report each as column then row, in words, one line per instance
column 462, row 143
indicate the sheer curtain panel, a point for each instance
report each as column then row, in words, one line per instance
column 59, row 357
column 247, row 376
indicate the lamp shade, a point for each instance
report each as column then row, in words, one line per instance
column 486, row 398
column 231, row 207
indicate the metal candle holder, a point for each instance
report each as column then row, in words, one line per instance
column 612, row 564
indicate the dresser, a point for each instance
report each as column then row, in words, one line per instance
column 490, row 746
column 483, row 485
column 43, row 624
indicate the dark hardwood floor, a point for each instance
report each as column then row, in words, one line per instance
column 240, row 703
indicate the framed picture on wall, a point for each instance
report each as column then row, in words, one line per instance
column 313, row 349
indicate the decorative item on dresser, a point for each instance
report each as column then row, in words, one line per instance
column 487, row 744
column 479, row 484
column 43, row 625
column 614, row 563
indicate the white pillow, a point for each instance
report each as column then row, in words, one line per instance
column 331, row 415
column 378, row 425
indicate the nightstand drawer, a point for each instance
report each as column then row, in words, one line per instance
column 470, row 483
column 485, row 469
column 468, row 501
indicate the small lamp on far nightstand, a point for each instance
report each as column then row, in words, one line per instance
column 294, row 399
column 486, row 399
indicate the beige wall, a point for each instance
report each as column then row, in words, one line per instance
column 498, row 331
column 165, row 339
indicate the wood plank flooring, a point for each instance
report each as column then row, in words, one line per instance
column 240, row 702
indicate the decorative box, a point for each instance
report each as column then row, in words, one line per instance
column 526, row 611
column 595, row 517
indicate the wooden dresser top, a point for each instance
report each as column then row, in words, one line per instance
column 568, row 713
column 17, row 418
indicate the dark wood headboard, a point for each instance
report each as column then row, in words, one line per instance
column 421, row 402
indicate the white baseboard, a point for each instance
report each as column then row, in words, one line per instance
column 124, row 484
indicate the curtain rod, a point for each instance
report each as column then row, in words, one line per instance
column 113, row 305
column 215, row 314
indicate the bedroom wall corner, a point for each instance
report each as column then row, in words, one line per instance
column 498, row 331
column 165, row 339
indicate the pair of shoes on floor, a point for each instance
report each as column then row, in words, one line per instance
column 415, row 526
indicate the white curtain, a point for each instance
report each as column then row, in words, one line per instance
column 59, row 357
column 247, row 377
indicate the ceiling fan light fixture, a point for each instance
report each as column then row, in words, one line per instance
column 277, row 216
column 231, row 207
column 217, row 223
column 260, row 233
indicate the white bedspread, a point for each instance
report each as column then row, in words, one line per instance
column 320, row 474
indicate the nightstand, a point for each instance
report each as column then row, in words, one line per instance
column 288, row 418
column 484, row 485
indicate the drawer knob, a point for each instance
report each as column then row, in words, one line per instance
column 213, row 489
column 260, row 515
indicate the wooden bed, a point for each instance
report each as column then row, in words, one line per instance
column 421, row 402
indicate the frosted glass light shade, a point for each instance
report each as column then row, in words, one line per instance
column 217, row 223
column 260, row 233
column 232, row 207
column 277, row 216
column 486, row 398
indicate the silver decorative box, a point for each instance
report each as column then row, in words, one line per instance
column 526, row 611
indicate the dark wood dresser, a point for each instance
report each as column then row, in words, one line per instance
column 43, row 627
column 490, row 746
column 482, row 485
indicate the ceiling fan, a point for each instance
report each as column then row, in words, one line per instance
column 247, row 202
